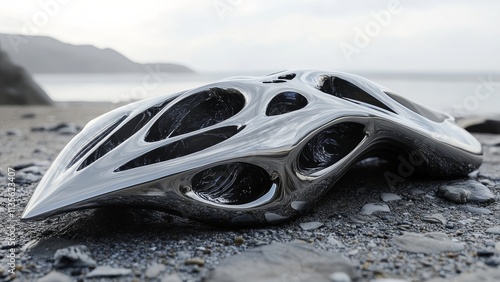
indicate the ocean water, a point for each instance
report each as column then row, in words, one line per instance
column 458, row 95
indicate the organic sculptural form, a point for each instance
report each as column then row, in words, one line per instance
column 246, row 150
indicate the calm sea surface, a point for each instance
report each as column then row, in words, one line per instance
column 461, row 96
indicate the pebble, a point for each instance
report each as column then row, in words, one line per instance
column 340, row 277
column 486, row 275
column 14, row 132
column 174, row 277
column 485, row 253
column 55, row 276
column 435, row 218
column 474, row 210
column 238, row 241
column 46, row 248
column 466, row 191
column 61, row 128
column 154, row 270
column 374, row 207
column 334, row 242
column 279, row 262
column 493, row 230
column 389, row 197
column 429, row 243
column 73, row 256
column 195, row 261
column 108, row 271
column 310, row 225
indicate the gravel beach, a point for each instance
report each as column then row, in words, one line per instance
column 363, row 230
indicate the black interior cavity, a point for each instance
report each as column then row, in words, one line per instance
column 289, row 76
column 343, row 89
column 232, row 184
column 274, row 81
column 419, row 109
column 94, row 141
column 183, row 147
column 123, row 133
column 197, row 111
column 285, row 102
column 329, row 146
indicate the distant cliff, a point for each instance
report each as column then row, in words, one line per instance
column 17, row 87
column 43, row 54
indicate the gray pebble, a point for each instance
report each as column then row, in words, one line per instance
column 435, row 218
column 389, row 197
column 154, row 270
column 466, row 191
column 429, row 243
column 340, row 277
column 279, row 262
column 374, row 207
column 55, row 276
column 493, row 230
column 108, row 271
column 73, row 256
column 475, row 210
column 310, row 225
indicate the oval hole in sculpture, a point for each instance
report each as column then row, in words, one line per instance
column 183, row 147
column 232, row 184
column 122, row 134
column 285, row 102
column 329, row 146
column 344, row 89
column 197, row 111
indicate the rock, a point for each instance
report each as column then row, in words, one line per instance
column 28, row 115
column 390, row 280
column 493, row 230
column 334, row 242
column 485, row 253
column 429, row 243
column 435, row 218
column 283, row 262
column 485, row 126
column 340, row 277
column 374, row 207
column 487, row 275
column 21, row 166
column 195, row 261
column 14, row 132
column 46, row 248
column 310, row 225
column 61, row 128
column 174, row 277
column 73, row 256
column 154, row 270
column 466, row 191
column 474, row 210
column 108, row 271
column 17, row 87
column 238, row 241
column 389, row 197
column 55, row 276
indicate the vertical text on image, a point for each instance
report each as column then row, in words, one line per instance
column 11, row 227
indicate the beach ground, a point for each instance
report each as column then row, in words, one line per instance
column 412, row 235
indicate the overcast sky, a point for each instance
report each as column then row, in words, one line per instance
column 224, row 35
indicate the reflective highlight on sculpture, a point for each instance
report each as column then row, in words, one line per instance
column 246, row 150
